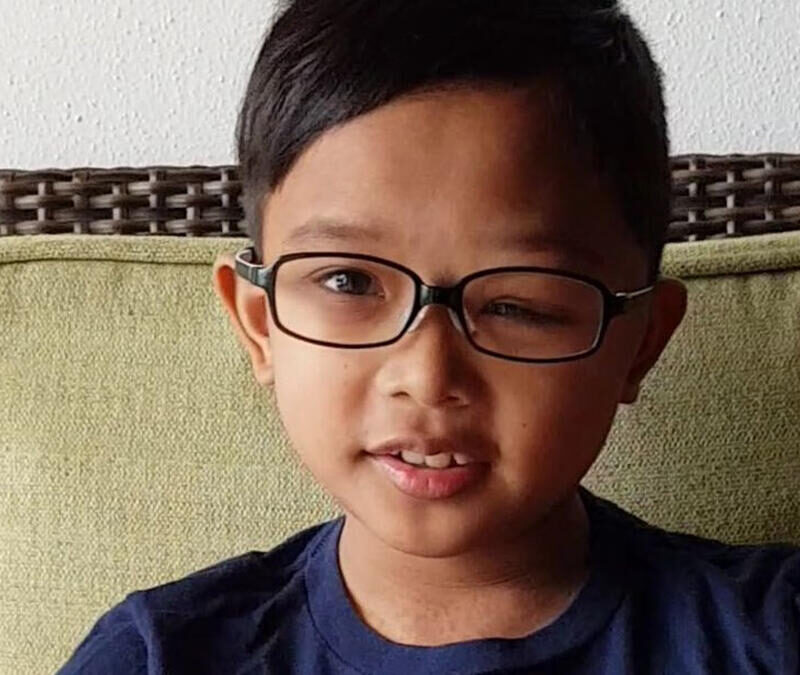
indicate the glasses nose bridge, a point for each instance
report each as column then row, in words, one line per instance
column 449, row 297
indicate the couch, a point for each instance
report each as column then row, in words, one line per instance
column 136, row 447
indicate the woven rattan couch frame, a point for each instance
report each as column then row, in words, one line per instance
column 714, row 196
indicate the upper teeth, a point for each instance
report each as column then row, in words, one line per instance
column 439, row 461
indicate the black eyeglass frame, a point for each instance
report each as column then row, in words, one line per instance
column 451, row 297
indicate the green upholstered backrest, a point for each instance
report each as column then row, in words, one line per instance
column 136, row 447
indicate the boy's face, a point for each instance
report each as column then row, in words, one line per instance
column 444, row 178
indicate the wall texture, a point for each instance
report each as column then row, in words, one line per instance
column 127, row 82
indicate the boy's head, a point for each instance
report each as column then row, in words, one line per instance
column 445, row 129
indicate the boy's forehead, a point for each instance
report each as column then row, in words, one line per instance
column 389, row 234
column 497, row 140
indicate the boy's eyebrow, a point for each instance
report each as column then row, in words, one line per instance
column 329, row 229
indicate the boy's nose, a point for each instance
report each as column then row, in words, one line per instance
column 433, row 375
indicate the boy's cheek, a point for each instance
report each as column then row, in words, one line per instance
column 317, row 397
column 566, row 411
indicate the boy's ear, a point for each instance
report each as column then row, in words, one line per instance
column 247, row 308
column 667, row 311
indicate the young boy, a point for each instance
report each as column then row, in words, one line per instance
column 457, row 212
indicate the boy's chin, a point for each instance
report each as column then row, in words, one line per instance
column 436, row 535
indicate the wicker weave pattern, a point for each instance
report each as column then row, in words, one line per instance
column 715, row 196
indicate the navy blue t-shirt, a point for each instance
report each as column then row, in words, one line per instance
column 655, row 602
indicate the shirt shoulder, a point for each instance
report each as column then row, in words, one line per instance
column 151, row 626
column 264, row 572
column 678, row 553
column 744, row 599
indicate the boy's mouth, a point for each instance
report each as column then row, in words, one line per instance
column 427, row 468
column 424, row 482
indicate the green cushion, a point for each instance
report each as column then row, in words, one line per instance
column 136, row 447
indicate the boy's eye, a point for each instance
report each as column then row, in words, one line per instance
column 347, row 281
column 521, row 313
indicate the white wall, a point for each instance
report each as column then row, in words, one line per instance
column 133, row 82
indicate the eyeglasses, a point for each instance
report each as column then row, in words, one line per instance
column 358, row 301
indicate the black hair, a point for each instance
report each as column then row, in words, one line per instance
column 324, row 62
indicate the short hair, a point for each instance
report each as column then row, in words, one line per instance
column 324, row 62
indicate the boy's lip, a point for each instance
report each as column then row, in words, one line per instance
column 430, row 446
column 426, row 483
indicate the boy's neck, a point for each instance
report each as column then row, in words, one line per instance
column 507, row 590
